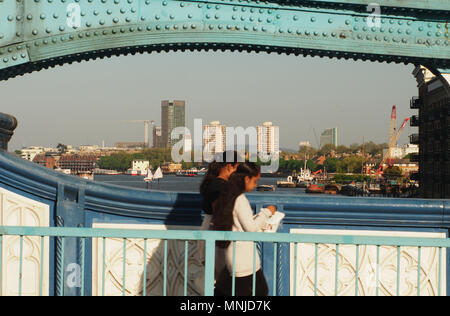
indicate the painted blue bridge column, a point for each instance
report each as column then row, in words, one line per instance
column 69, row 213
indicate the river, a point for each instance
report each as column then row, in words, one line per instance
column 183, row 184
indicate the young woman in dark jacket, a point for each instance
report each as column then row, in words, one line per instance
column 215, row 181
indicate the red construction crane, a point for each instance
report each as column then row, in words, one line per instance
column 393, row 138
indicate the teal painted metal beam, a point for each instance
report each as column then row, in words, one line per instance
column 40, row 34
column 402, row 4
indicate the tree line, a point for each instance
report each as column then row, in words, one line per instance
column 122, row 161
column 369, row 148
column 348, row 162
column 351, row 164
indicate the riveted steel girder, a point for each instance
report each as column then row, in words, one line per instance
column 37, row 34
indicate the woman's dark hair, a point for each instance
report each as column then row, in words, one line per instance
column 223, row 207
column 225, row 158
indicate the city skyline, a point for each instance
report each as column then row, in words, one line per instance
column 240, row 90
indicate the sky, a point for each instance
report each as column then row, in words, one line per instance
column 88, row 102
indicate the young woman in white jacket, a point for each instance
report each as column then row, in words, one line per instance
column 232, row 212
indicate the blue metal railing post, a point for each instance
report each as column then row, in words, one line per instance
column 209, row 266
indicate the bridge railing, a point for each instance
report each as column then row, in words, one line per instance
column 17, row 272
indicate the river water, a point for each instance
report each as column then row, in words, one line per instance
column 183, row 184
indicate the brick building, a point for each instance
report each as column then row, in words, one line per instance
column 48, row 161
column 79, row 163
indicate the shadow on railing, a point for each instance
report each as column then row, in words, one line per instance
column 319, row 264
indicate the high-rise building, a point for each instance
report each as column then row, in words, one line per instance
column 214, row 138
column 268, row 137
column 157, row 137
column 172, row 116
column 329, row 136
column 433, row 137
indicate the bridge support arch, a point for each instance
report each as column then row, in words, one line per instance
column 35, row 35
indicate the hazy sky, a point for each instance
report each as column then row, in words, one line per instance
column 85, row 103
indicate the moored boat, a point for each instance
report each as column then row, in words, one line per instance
column 286, row 184
column 265, row 187
column 98, row 171
column 332, row 188
column 188, row 173
column 132, row 172
column 87, row 176
column 374, row 188
column 302, row 184
column 316, row 188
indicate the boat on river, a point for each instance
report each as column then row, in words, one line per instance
column 332, row 188
column 188, row 173
column 374, row 188
column 316, row 188
column 286, row 184
column 149, row 177
column 302, row 184
column 265, row 187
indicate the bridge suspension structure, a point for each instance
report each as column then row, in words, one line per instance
column 40, row 34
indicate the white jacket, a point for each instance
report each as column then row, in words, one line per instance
column 245, row 221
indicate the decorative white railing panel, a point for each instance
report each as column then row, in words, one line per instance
column 134, row 266
column 16, row 210
column 371, row 280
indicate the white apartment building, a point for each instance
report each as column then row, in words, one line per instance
column 31, row 152
column 89, row 147
column 399, row 152
column 140, row 165
column 214, row 138
column 268, row 138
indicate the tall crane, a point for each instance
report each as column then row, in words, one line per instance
column 393, row 126
column 394, row 135
column 146, row 129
